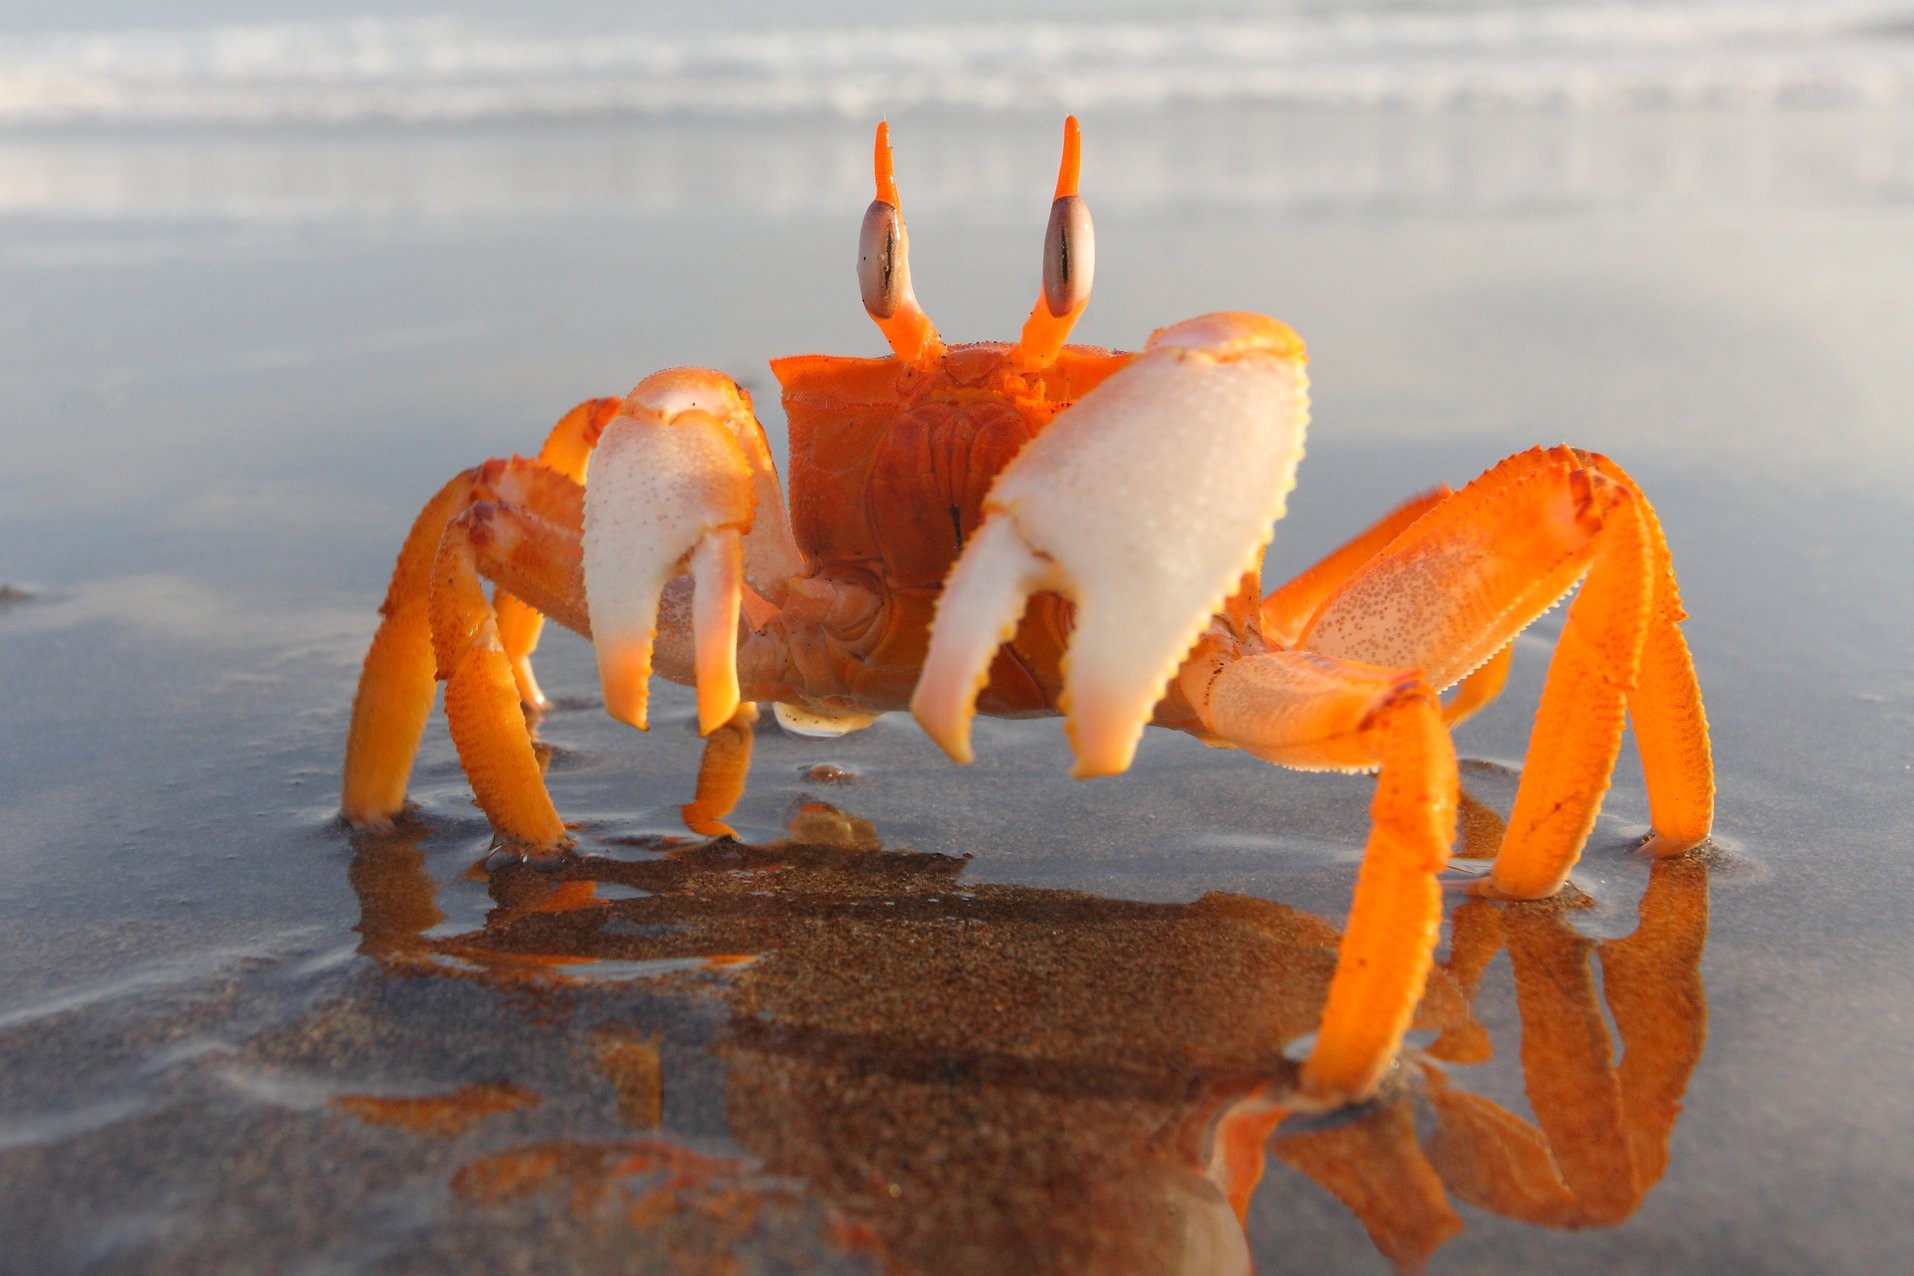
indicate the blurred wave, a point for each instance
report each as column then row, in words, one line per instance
column 474, row 69
column 184, row 193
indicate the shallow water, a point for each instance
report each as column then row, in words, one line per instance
column 234, row 1038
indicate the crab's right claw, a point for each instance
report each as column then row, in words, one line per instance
column 675, row 485
column 1145, row 504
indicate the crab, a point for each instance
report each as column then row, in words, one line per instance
column 1032, row 528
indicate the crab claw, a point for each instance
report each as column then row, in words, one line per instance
column 674, row 486
column 1145, row 504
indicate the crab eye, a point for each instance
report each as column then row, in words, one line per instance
column 878, row 278
column 1069, row 255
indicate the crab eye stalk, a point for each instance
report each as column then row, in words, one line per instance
column 1069, row 256
column 883, row 267
column 1069, row 262
column 878, row 242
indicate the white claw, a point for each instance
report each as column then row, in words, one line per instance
column 982, row 601
column 717, row 579
column 1145, row 504
column 670, row 490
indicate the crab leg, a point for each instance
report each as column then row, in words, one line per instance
column 1313, row 712
column 534, row 550
column 528, row 540
column 1466, row 577
column 1289, row 608
column 531, row 542
column 721, row 775
column 1452, row 591
column 1145, row 504
column 481, row 697
column 397, row 684
column 1389, row 944
column 1478, row 688
column 683, row 482
column 1578, row 726
column 520, row 523
column 1671, row 730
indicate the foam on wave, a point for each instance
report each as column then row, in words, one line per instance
column 1569, row 56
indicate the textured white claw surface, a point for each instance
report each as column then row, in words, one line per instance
column 658, row 487
column 1148, row 501
column 978, row 610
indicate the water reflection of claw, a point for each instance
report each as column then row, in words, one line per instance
column 963, row 1075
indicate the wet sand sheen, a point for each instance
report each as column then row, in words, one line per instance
column 914, row 1070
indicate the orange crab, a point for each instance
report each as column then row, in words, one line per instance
column 1034, row 528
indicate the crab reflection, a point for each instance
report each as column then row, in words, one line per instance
column 971, row 1075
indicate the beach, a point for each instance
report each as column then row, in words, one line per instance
column 237, row 354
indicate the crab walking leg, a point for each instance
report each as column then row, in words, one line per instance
column 1145, row 503
column 721, row 774
column 540, row 560
column 1453, row 590
column 532, row 548
column 1478, row 688
column 567, row 451
column 1390, row 942
column 1578, row 726
column 1671, row 729
column 1312, row 712
column 1287, row 609
column 396, row 686
column 682, row 481
column 481, row 697
column 1459, row 583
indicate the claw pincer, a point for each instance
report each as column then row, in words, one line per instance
column 678, row 483
column 1145, row 505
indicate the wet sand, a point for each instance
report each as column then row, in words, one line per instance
column 234, row 1038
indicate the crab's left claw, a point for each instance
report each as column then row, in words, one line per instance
column 682, row 482
column 1145, row 504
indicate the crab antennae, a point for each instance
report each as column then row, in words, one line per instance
column 1069, row 262
column 883, row 266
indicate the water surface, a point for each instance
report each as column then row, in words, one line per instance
column 235, row 360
